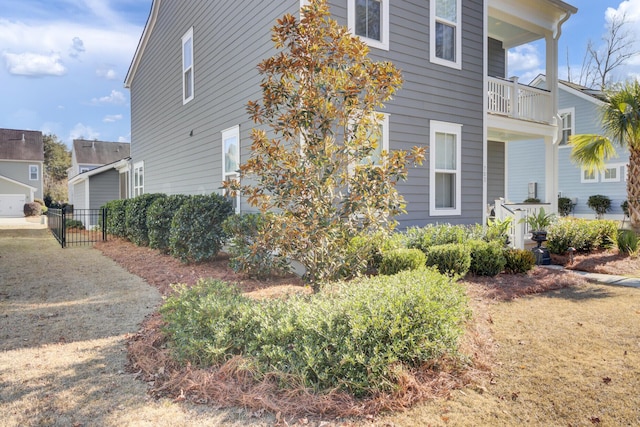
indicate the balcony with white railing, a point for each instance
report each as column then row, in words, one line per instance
column 511, row 99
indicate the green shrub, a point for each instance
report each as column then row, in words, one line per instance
column 196, row 229
column 531, row 200
column 248, row 251
column 356, row 337
column 433, row 235
column 600, row 204
column 625, row 208
column 627, row 242
column 71, row 224
column 487, row 258
column 32, row 209
column 116, row 214
column 453, row 259
column 581, row 234
column 518, row 261
column 159, row 217
column 136, row 218
column 565, row 206
column 397, row 260
column 495, row 231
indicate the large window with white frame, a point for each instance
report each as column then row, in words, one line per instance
column 568, row 124
column 613, row 172
column 445, row 159
column 231, row 159
column 588, row 176
column 445, row 39
column 369, row 19
column 187, row 67
column 34, row 172
column 138, row 179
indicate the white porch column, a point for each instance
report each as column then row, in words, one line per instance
column 551, row 143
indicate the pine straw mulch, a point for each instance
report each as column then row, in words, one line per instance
column 232, row 385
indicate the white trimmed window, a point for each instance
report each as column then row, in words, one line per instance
column 34, row 172
column 381, row 138
column 445, row 159
column 369, row 19
column 231, row 158
column 138, row 179
column 568, row 125
column 588, row 177
column 187, row 66
column 612, row 173
column 445, row 39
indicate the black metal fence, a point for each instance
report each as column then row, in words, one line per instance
column 74, row 227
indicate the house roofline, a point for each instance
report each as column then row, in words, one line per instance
column 22, row 184
column 118, row 164
column 142, row 43
column 567, row 88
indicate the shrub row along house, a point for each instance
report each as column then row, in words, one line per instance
column 195, row 70
column 21, row 166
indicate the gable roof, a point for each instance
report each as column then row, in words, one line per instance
column 18, row 144
column 592, row 94
column 142, row 44
column 99, row 152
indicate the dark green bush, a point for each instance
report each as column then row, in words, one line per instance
column 159, row 217
column 32, row 209
column 487, row 258
column 136, row 218
column 397, row 260
column 581, row 234
column 247, row 250
column 518, row 261
column 565, row 206
column 433, row 235
column 71, row 224
column 116, row 213
column 196, row 229
column 453, row 259
column 357, row 337
column 625, row 208
column 600, row 204
column 531, row 200
column 627, row 242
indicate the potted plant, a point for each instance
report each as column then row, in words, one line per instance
column 538, row 223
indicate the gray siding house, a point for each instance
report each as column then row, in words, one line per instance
column 195, row 69
column 579, row 108
column 99, row 173
column 21, row 167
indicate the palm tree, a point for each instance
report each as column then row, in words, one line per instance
column 621, row 126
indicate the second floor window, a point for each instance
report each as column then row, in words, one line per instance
column 445, row 38
column 567, row 125
column 33, row 172
column 369, row 19
column 187, row 66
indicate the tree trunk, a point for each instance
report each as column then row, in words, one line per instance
column 633, row 188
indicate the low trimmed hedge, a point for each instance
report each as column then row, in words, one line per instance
column 487, row 258
column 358, row 336
column 136, row 218
column 397, row 260
column 453, row 259
column 518, row 261
column 582, row 234
column 116, row 214
column 159, row 217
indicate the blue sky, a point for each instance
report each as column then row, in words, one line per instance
column 63, row 62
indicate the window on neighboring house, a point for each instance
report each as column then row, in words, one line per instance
column 588, row 177
column 445, row 35
column 369, row 19
column 34, row 172
column 611, row 173
column 568, row 128
column 445, row 168
column 138, row 179
column 231, row 159
column 187, row 66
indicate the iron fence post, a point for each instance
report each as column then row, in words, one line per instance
column 63, row 227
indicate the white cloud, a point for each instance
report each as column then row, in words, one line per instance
column 630, row 8
column 33, row 64
column 115, row 97
column 523, row 58
column 112, row 118
column 107, row 73
column 123, row 139
column 81, row 131
column 77, row 47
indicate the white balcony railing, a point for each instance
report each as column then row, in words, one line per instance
column 512, row 99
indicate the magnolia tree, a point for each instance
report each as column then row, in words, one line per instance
column 318, row 164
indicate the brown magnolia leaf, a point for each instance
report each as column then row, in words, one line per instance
column 606, row 380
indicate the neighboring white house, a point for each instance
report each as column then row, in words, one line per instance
column 580, row 110
column 21, row 167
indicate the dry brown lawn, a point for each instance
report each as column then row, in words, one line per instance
column 550, row 348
